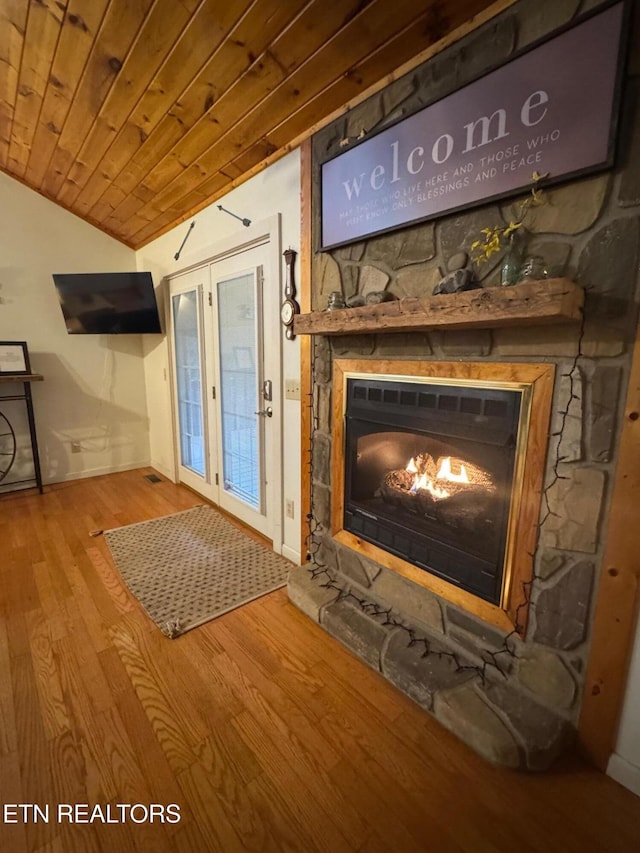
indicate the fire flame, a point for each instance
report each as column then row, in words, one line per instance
column 445, row 472
column 422, row 483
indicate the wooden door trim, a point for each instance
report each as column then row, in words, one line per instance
column 306, row 342
column 616, row 612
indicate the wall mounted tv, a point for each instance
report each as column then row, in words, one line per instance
column 108, row 303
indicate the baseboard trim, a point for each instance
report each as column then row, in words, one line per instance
column 169, row 473
column 289, row 554
column 624, row 772
column 97, row 472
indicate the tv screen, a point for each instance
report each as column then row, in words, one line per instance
column 108, row 303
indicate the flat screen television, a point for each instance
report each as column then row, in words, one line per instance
column 108, row 303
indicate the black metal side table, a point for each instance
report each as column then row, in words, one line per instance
column 7, row 434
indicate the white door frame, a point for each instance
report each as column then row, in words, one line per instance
column 265, row 231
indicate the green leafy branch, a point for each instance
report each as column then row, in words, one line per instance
column 493, row 239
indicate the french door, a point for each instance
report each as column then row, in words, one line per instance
column 196, row 427
column 226, row 359
column 246, row 383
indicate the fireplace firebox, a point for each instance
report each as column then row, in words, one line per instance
column 429, row 475
column 437, row 470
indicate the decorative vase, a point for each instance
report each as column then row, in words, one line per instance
column 534, row 269
column 512, row 261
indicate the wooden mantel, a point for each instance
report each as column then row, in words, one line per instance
column 554, row 300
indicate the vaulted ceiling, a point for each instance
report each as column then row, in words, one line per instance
column 135, row 114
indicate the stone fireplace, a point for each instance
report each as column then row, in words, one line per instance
column 498, row 654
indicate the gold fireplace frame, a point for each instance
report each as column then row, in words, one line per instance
column 535, row 381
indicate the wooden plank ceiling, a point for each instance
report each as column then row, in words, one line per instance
column 135, row 114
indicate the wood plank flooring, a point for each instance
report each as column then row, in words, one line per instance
column 266, row 733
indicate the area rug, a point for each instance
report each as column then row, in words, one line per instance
column 188, row 568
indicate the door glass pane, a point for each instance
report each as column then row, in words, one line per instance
column 237, row 313
column 188, row 380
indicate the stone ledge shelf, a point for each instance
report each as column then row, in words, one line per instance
column 554, row 300
column 503, row 723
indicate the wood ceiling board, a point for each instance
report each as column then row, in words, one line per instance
column 234, row 57
column 242, row 88
column 114, row 39
column 182, row 65
column 192, row 203
column 258, row 152
column 192, row 178
column 44, row 23
column 323, row 67
column 357, row 78
column 13, row 19
column 334, row 60
column 133, row 113
column 413, row 39
column 176, row 165
column 162, row 29
column 79, row 29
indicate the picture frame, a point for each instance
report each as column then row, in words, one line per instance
column 14, row 358
column 550, row 110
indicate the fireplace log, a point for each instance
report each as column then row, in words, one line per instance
column 395, row 490
column 468, row 506
column 469, row 509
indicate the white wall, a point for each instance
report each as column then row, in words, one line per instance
column 93, row 389
column 624, row 765
column 275, row 190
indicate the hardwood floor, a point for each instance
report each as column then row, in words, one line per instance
column 266, row 733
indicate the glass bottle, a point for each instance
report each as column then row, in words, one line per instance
column 512, row 260
column 335, row 300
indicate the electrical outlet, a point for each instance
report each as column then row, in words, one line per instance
column 76, row 447
column 290, row 508
column 292, row 389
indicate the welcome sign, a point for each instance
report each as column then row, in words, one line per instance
column 550, row 110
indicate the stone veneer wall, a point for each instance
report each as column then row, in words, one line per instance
column 589, row 231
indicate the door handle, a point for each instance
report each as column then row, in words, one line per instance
column 265, row 413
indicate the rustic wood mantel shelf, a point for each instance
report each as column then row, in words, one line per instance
column 554, row 300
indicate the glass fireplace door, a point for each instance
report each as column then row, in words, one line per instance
column 428, row 476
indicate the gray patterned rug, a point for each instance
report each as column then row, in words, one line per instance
column 188, row 568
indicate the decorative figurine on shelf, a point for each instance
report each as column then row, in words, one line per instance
column 455, row 282
column 457, row 277
column 375, row 297
column 335, row 301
